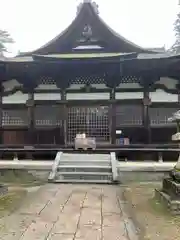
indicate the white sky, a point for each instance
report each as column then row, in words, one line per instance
column 32, row 23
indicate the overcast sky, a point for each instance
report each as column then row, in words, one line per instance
column 32, row 23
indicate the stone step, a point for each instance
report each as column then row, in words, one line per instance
column 173, row 205
column 86, row 173
column 74, row 168
column 83, row 181
column 171, row 187
column 84, row 168
column 106, row 155
column 83, row 176
column 85, row 157
column 85, row 162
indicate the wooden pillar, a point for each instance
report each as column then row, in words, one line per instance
column 63, row 114
column 30, row 106
column 3, row 76
column 113, row 116
column 112, row 81
column 1, row 113
column 63, row 82
column 28, row 79
column 146, row 117
column 178, row 90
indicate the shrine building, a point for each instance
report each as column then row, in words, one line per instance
column 89, row 79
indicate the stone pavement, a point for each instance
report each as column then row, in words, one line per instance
column 69, row 212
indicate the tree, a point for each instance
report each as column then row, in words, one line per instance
column 176, row 46
column 4, row 39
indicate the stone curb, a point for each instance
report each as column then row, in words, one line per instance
column 129, row 209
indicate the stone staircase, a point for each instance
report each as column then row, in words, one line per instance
column 84, row 168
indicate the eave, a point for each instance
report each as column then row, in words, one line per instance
column 163, row 64
column 119, row 57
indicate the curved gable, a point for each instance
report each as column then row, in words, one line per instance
column 88, row 33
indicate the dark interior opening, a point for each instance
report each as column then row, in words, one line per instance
column 14, row 137
column 136, row 135
column 50, row 136
column 162, row 134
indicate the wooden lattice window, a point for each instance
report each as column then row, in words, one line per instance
column 46, row 80
column 130, row 79
column 160, row 115
column 47, row 116
column 92, row 120
column 88, row 80
column 128, row 115
column 15, row 117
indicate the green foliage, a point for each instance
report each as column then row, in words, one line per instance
column 19, row 177
column 4, row 39
column 11, row 202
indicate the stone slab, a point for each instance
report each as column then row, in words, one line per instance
column 89, row 233
column 113, row 233
column 111, row 220
column 61, row 237
column 172, row 205
column 171, row 187
column 68, row 212
column 38, row 230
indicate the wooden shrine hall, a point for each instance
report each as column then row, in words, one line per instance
column 89, row 79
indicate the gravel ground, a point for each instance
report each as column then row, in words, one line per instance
column 153, row 220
